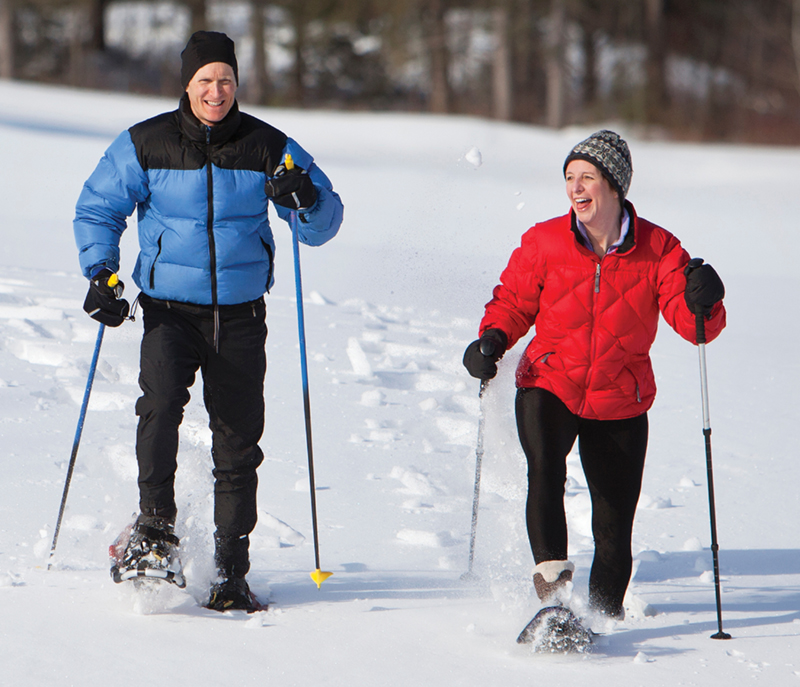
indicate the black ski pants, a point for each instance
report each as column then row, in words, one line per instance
column 178, row 341
column 612, row 455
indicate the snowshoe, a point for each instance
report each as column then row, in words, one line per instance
column 233, row 594
column 556, row 629
column 147, row 550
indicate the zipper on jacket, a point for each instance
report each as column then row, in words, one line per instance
column 592, row 339
column 212, row 250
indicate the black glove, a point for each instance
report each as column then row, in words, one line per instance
column 291, row 188
column 704, row 288
column 482, row 355
column 104, row 301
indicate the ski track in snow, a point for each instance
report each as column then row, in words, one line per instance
column 400, row 376
column 406, row 413
column 398, row 384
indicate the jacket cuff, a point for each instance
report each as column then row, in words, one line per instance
column 498, row 336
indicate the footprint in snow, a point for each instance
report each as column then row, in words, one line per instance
column 414, row 482
column 433, row 540
column 282, row 532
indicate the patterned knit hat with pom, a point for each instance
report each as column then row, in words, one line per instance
column 609, row 152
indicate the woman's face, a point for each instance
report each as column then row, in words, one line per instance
column 593, row 199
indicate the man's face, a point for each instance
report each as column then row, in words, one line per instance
column 212, row 91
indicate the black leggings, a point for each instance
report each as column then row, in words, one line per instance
column 612, row 454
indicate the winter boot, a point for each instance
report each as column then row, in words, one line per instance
column 550, row 578
column 231, row 591
column 232, row 555
column 152, row 550
column 233, row 594
column 613, row 611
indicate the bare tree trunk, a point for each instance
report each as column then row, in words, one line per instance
column 198, row 10
column 8, row 40
column 77, row 53
column 298, row 90
column 656, row 87
column 436, row 38
column 556, row 72
column 528, row 89
column 259, row 86
column 589, row 67
column 796, row 37
column 97, row 24
column 501, row 72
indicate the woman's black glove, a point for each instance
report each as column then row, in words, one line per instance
column 704, row 288
column 482, row 355
column 104, row 301
column 291, row 188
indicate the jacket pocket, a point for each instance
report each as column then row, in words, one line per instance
column 271, row 264
column 153, row 266
column 637, row 370
column 530, row 367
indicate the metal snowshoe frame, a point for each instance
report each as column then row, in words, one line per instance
column 556, row 629
column 144, row 569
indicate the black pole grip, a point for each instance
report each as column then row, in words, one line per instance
column 488, row 346
column 700, row 322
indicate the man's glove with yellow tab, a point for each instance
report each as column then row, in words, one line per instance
column 291, row 187
column 104, row 301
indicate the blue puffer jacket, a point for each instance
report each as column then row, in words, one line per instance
column 204, row 232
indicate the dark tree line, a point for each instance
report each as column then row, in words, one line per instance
column 700, row 69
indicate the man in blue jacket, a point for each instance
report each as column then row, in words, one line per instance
column 201, row 178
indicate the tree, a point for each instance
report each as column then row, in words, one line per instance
column 8, row 42
column 258, row 90
column 656, row 65
column 434, row 28
column 556, row 71
column 502, row 91
column 198, row 12
column 97, row 24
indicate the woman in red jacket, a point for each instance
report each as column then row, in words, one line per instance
column 593, row 283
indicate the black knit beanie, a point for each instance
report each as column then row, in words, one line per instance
column 609, row 152
column 205, row 47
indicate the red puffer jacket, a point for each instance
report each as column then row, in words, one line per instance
column 595, row 319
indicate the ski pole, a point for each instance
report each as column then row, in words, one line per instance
column 487, row 348
column 701, row 347
column 476, row 493
column 318, row 575
column 77, row 441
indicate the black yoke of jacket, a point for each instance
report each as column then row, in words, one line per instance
column 178, row 140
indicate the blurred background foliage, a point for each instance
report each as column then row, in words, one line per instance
column 711, row 70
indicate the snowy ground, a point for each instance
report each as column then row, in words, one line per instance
column 391, row 304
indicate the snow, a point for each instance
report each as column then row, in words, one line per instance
column 390, row 305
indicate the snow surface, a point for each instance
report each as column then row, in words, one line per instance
column 391, row 304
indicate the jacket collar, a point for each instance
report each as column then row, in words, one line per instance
column 196, row 131
column 630, row 240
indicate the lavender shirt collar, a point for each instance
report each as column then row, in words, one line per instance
column 623, row 232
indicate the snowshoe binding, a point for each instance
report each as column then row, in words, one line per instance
column 147, row 549
column 556, row 630
column 233, row 594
